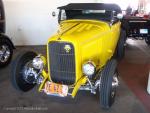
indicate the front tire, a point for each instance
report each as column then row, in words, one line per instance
column 120, row 50
column 18, row 65
column 147, row 40
column 6, row 52
column 108, row 85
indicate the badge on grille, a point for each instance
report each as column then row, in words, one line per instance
column 67, row 48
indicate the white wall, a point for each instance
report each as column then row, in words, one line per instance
column 123, row 3
column 29, row 22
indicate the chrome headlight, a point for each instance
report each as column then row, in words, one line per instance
column 89, row 69
column 38, row 63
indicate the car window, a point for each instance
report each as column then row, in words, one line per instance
column 86, row 14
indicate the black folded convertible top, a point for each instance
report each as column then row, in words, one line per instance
column 92, row 6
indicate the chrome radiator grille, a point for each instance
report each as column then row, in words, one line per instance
column 62, row 62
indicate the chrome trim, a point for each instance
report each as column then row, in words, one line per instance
column 4, row 53
column 137, row 21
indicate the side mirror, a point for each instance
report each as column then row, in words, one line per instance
column 120, row 16
column 54, row 14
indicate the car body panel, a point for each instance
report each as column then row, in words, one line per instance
column 93, row 41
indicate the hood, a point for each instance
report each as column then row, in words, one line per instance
column 81, row 30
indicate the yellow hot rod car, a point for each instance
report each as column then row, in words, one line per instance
column 82, row 55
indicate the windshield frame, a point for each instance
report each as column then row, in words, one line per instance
column 112, row 17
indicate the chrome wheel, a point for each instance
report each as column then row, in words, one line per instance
column 29, row 74
column 115, row 84
column 4, row 53
column 22, row 75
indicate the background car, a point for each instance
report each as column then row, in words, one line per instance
column 137, row 27
column 6, row 45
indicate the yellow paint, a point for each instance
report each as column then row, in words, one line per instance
column 93, row 40
column 44, row 60
column 78, row 85
column 45, row 75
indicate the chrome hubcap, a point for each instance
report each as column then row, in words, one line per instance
column 4, row 53
column 115, row 84
column 29, row 74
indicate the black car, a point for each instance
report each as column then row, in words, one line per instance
column 6, row 45
column 137, row 28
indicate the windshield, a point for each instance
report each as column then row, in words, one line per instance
column 86, row 14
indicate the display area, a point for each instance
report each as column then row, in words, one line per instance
column 96, row 61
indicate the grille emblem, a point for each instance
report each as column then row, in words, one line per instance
column 67, row 48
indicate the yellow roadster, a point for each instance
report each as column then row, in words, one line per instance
column 82, row 55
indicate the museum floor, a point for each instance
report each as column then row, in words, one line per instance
column 131, row 96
